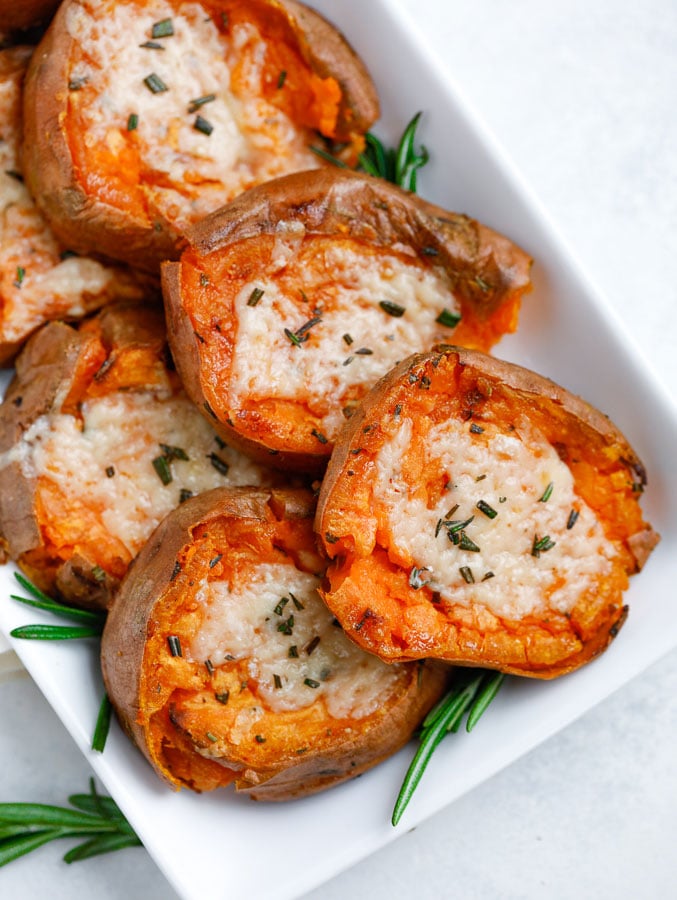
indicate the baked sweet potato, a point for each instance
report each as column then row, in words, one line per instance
column 478, row 513
column 289, row 303
column 144, row 115
column 98, row 441
column 224, row 666
column 40, row 279
column 19, row 15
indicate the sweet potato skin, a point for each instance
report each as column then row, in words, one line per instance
column 138, row 614
column 489, row 275
column 26, row 14
column 584, row 438
column 57, row 362
column 89, row 224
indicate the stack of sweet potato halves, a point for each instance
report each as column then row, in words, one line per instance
column 326, row 331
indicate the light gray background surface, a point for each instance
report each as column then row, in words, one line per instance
column 583, row 97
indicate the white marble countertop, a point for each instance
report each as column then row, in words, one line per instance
column 582, row 96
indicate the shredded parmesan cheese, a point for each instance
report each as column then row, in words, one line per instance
column 252, row 621
column 524, row 559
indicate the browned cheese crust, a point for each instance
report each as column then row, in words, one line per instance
column 185, row 714
column 393, row 606
column 104, row 196
column 482, row 272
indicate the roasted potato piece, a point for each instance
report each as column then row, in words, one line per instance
column 19, row 15
column 40, row 280
column 144, row 115
column 291, row 302
column 98, row 441
column 224, row 666
column 478, row 513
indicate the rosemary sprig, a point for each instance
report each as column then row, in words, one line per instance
column 26, row 826
column 92, row 626
column 473, row 692
column 398, row 165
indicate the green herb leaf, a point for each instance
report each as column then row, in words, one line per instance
column 474, row 690
column 102, row 726
column 54, row 632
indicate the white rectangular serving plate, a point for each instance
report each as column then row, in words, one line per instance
column 211, row 845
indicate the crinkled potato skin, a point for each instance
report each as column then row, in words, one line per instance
column 489, row 272
column 90, row 225
column 145, row 611
column 60, row 359
column 369, row 595
column 18, row 15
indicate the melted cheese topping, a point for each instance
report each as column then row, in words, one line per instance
column 511, row 473
column 349, row 287
column 121, row 434
column 185, row 173
column 36, row 284
column 242, row 621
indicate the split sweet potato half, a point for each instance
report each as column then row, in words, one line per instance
column 291, row 302
column 225, row 667
column 478, row 513
column 144, row 115
column 98, row 441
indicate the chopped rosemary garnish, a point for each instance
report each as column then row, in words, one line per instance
column 488, row 511
column 319, row 436
column 311, row 682
column 201, row 124
column 20, row 275
column 393, row 309
column 132, row 122
column 255, row 296
column 77, row 84
column 174, row 644
column 155, row 84
column 416, row 580
column 297, row 603
column 163, row 469
column 194, row 105
column 571, row 521
column 348, row 339
column 476, row 429
column 293, row 652
column 277, row 681
column 163, row 28
column 547, row 493
column 312, row 645
column 215, row 560
column 97, row 818
column 222, row 697
column 281, row 78
column 151, row 45
column 448, row 318
column 110, row 471
column 280, row 606
column 219, row 464
column 209, row 666
column 304, row 329
column 364, row 351
column 473, row 692
column 487, row 576
column 294, row 338
column 211, row 737
column 540, row 545
column 467, row 575
column 466, row 544
column 286, row 627
column 259, row 738
column 171, row 453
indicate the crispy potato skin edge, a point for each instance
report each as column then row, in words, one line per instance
column 336, row 202
column 529, row 384
column 125, row 635
column 88, row 225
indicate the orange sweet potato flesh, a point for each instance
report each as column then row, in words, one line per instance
column 109, row 194
column 376, row 225
column 185, row 714
column 386, row 606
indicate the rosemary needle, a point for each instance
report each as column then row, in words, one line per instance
column 474, row 692
column 26, row 826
